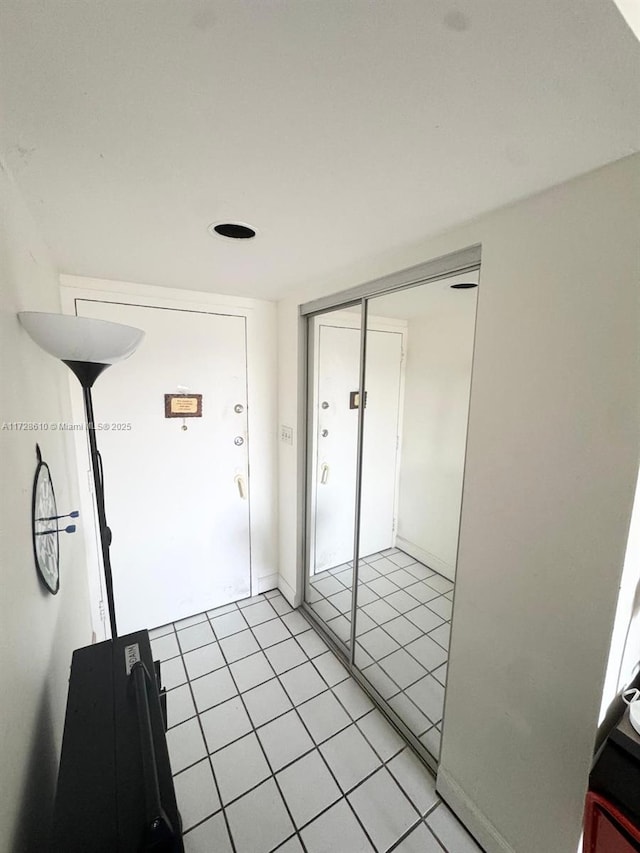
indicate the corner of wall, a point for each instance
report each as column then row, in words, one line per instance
column 38, row 631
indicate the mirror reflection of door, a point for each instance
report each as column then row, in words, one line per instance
column 336, row 448
column 337, row 435
column 334, row 359
column 337, row 340
column 405, row 591
column 419, row 347
column 378, row 503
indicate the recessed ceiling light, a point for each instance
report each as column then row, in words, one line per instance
column 233, row 230
column 465, row 285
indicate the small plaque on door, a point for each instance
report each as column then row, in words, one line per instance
column 183, row 405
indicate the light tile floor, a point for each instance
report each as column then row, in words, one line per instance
column 403, row 627
column 274, row 746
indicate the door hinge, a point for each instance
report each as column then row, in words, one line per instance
column 101, row 612
column 90, row 480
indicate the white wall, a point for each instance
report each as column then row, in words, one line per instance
column 436, row 404
column 38, row 631
column 624, row 654
column 261, row 407
column 551, row 466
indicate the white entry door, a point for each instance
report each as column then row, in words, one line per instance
column 177, row 500
column 337, row 443
column 381, row 441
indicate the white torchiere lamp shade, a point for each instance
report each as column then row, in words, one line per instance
column 71, row 338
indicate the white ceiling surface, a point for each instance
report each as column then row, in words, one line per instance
column 423, row 300
column 426, row 300
column 341, row 129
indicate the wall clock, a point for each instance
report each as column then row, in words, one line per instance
column 44, row 526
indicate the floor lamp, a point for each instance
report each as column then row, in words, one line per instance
column 87, row 347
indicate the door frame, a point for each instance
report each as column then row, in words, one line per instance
column 261, row 323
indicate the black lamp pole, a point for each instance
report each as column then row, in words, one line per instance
column 102, row 343
column 87, row 372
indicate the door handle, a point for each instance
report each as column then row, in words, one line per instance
column 238, row 480
column 324, row 475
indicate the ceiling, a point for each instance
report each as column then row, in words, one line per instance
column 423, row 300
column 433, row 299
column 339, row 129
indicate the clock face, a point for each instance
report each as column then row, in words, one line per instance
column 45, row 527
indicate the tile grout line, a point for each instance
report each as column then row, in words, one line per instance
column 384, row 598
column 387, row 702
column 355, row 722
column 266, row 757
column 444, row 621
column 375, row 662
column 316, row 745
column 322, row 757
column 208, row 758
column 402, row 690
column 308, row 659
column 381, row 574
column 327, row 622
column 422, row 818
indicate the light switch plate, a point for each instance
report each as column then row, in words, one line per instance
column 286, row 434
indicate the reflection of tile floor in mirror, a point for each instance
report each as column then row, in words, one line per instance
column 274, row 746
column 404, row 621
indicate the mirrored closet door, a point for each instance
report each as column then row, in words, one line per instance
column 388, row 398
column 334, row 343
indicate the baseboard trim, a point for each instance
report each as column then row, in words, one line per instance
column 268, row 582
column 475, row 821
column 430, row 560
column 287, row 590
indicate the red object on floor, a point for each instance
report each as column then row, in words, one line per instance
column 606, row 829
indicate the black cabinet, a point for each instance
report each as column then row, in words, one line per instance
column 115, row 789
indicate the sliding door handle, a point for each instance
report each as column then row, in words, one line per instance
column 238, row 480
column 324, row 475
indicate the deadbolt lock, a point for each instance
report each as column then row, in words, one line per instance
column 238, row 441
column 238, row 408
column 325, row 433
column 325, row 405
